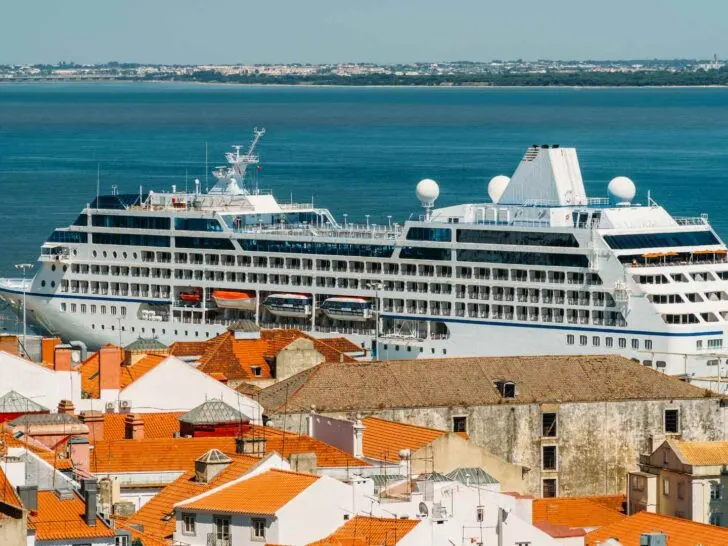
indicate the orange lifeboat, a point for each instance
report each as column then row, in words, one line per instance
column 230, row 299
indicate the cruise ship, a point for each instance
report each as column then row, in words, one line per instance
column 537, row 268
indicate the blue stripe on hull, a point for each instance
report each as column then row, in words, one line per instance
column 552, row 327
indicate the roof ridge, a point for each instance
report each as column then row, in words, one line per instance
column 215, row 346
column 408, row 425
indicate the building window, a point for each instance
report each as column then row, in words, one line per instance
column 648, row 344
column 583, row 340
column 73, row 308
column 479, row 514
column 638, row 483
column 83, row 307
column 121, row 540
column 507, row 389
column 715, row 491
column 548, row 488
column 622, row 343
column 666, row 487
column 460, row 424
column 715, row 343
column 672, row 421
column 63, row 307
column 258, row 529
column 188, row 524
column 548, row 425
column 635, row 343
column 569, row 339
column 609, row 342
column 548, row 458
column 595, row 341
column 93, row 308
column 257, row 371
column 699, row 344
column 222, row 529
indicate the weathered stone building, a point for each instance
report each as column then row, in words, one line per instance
column 578, row 423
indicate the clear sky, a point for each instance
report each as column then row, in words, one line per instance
column 316, row 31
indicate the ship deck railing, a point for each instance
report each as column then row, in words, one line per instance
column 348, row 231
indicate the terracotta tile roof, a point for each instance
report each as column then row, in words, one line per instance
column 90, row 372
column 701, row 453
column 157, row 515
column 58, row 519
column 680, row 532
column 263, row 494
column 7, row 491
column 160, row 454
column 583, row 512
column 55, row 458
column 373, row 386
column 145, row 538
column 559, row 531
column 343, row 345
column 156, row 425
column 363, row 530
column 384, row 439
column 235, row 358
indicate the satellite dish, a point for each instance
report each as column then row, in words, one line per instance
column 497, row 186
column 622, row 190
column 423, row 510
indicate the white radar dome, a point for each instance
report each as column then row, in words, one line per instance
column 497, row 186
column 427, row 192
column 622, row 190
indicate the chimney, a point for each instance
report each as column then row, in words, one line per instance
column 209, row 465
column 134, row 427
column 78, row 452
column 48, row 348
column 29, row 497
column 66, row 406
column 110, row 368
column 62, row 359
column 358, row 437
column 94, row 420
column 89, row 496
column 250, row 446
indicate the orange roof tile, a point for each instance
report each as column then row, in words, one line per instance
column 701, row 453
column 263, row 494
column 90, row 372
column 559, row 531
column 156, row 425
column 363, row 530
column 680, row 532
column 56, row 458
column 7, row 491
column 145, row 538
column 157, row 515
column 235, row 358
column 384, row 439
column 58, row 519
column 584, row 512
column 159, row 454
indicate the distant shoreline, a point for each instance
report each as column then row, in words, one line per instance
column 355, row 86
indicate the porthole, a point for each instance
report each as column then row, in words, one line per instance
column 105, row 254
column 42, row 283
column 124, row 254
column 134, row 255
column 65, row 268
column 53, row 267
column 53, row 284
column 95, row 253
column 114, row 254
column 75, row 252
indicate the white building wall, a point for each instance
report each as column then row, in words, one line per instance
column 328, row 499
column 174, row 385
column 44, row 386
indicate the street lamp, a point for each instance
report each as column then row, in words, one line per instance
column 24, row 268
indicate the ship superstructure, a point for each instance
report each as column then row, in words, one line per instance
column 539, row 268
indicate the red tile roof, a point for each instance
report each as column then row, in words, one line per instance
column 7, row 491
column 363, row 531
column 58, row 519
column 157, row 515
column 579, row 512
column 384, row 439
column 90, row 372
column 235, row 358
column 263, row 494
column 680, row 532
column 156, row 425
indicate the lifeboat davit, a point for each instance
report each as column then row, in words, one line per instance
column 288, row 305
column 347, row 308
column 230, row 299
column 192, row 296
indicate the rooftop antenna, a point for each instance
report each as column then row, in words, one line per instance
column 427, row 192
column 186, row 180
column 207, row 186
column 98, row 184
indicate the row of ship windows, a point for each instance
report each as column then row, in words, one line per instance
column 693, row 297
column 608, row 342
column 697, row 276
column 339, row 266
column 93, row 308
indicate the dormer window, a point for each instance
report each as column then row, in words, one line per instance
column 257, row 371
column 507, row 389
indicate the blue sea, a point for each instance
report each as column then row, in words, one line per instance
column 355, row 150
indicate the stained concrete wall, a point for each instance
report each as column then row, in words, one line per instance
column 598, row 442
column 300, row 355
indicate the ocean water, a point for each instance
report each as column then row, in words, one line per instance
column 355, row 150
